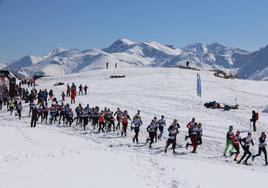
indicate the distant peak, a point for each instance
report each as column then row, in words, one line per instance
column 125, row 41
column 58, row 50
column 193, row 45
column 216, row 44
column 119, row 45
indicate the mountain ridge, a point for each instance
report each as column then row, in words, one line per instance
column 127, row 53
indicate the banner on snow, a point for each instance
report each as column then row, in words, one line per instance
column 198, row 85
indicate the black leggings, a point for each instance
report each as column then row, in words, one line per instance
column 19, row 113
column 124, row 130
column 136, row 137
column 259, row 153
column 33, row 121
column 101, row 127
column 173, row 142
column 85, row 122
column 118, row 123
column 151, row 136
column 199, row 139
column 246, row 153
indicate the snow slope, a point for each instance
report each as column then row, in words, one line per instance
column 60, row 156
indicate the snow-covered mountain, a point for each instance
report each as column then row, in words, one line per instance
column 210, row 56
column 3, row 64
column 127, row 53
column 255, row 66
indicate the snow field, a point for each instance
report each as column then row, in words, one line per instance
column 60, row 156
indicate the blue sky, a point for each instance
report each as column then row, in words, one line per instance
column 37, row 26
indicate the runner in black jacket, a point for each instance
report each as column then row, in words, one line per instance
column 173, row 131
column 245, row 143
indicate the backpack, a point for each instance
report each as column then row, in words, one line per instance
column 257, row 116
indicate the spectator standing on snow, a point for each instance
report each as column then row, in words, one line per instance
column 62, row 96
column 68, row 90
column 254, row 119
column 80, row 90
column 107, row 65
column 85, row 89
column 73, row 95
column 73, row 87
column 187, row 64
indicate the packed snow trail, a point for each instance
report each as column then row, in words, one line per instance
column 53, row 153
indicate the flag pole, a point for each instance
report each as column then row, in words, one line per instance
column 198, row 87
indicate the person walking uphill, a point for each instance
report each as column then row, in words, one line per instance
column 254, row 119
column 262, row 148
column 19, row 109
column 34, row 116
column 73, row 95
